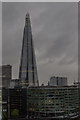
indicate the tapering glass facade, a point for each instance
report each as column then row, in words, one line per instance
column 28, row 69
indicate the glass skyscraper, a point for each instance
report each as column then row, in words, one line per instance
column 28, row 69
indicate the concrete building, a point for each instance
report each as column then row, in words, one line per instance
column 57, row 81
column 14, row 83
column 53, row 102
column 6, row 75
column 42, row 102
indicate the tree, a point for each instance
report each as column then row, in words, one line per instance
column 15, row 112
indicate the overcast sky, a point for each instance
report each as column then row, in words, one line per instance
column 55, row 36
column 0, row 38
column 40, row 0
column 0, row 32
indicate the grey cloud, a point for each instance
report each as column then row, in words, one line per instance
column 54, row 27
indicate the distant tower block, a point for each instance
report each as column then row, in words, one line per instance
column 5, row 75
column 28, row 69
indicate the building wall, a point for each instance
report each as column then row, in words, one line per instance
column 6, row 75
column 4, row 103
column 17, row 103
column 42, row 101
column 0, row 103
column 58, row 81
column 28, row 69
column 57, row 102
column 14, row 83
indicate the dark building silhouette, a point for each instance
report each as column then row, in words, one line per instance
column 28, row 69
column 17, row 103
column 14, row 104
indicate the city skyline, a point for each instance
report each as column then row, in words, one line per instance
column 54, row 28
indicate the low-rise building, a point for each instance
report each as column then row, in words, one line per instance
column 17, row 103
column 53, row 102
column 14, row 83
column 43, row 102
column 0, row 103
column 4, row 103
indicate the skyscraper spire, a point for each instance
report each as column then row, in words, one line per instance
column 28, row 69
column 27, row 19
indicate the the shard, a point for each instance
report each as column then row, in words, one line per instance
column 28, row 69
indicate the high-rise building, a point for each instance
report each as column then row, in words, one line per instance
column 5, row 75
column 58, row 81
column 28, row 69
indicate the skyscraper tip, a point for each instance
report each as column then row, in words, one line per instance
column 27, row 18
column 27, row 14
